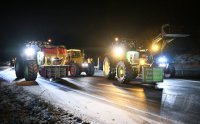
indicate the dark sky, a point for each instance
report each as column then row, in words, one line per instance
column 93, row 25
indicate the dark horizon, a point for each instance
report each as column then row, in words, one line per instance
column 93, row 25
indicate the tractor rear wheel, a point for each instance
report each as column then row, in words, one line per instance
column 124, row 72
column 74, row 70
column 108, row 68
column 90, row 70
column 19, row 67
column 31, row 69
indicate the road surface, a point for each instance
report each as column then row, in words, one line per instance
column 173, row 101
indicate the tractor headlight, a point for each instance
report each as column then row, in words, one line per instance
column 29, row 51
column 142, row 61
column 155, row 48
column 162, row 65
column 85, row 64
column 118, row 51
column 162, row 59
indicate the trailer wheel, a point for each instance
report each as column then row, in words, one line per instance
column 74, row 70
column 108, row 68
column 169, row 72
column 90, row 70
column 124, row 72
column 19, row 68
column 31, row 69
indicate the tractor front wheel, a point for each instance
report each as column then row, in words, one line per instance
column 90, row 70
column 124, row 72
column 74, row 70
column 108, row 68
column 30, row 71
column 19, row 67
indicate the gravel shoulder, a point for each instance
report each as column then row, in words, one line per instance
column 19, row 106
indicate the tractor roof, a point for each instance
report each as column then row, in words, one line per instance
column 73, row 50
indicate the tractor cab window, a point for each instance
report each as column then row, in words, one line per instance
column 143, row 55
column 75, row 54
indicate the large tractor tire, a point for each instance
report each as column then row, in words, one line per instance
column 90, row 70
column 108, row 68
column 19, row 68
column 169, row 72
column 75, row 70
column 124, row 72
column 31, row 70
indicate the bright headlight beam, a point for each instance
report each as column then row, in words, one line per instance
column 84, row 64
column 155, row 47
column 118, row 51
column 162, row 59
column 29, row 51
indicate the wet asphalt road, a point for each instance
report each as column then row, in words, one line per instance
column 174, row 99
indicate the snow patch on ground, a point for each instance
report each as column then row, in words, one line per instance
column 19, row 106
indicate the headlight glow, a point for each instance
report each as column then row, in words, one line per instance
column 85, row 64
column 155, row 48
column 142, row 61
column 29, row 51
column 118, row 51
column 162, row 65
column 162, row 59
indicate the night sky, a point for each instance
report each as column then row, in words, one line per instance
column 93, row 25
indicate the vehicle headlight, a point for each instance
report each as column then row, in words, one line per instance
column 162, row 65
column 118, row 51
column 29, row 51
column 85, row 64
column 162, row 59
column 142, row 61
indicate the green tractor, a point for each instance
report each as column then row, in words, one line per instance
column 125, row 63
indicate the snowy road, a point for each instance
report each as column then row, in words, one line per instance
column 103, row 101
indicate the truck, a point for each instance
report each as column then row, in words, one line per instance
column 50, row 61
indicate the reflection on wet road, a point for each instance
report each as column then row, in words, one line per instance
column 175, row 99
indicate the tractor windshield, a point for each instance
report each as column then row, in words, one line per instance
column 76, row 54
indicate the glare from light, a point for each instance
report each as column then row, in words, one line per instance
column 29, row 51
column 116, row 39
column 142, row 61
column 84, row 64
column 49, row 40
column 155, row 47
column 118, row 51
column 162, row 59
column 162, row 65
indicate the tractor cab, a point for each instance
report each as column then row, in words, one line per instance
column 79, row 64
column 75, row 56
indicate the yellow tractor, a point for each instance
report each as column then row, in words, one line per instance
column 78, row 63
